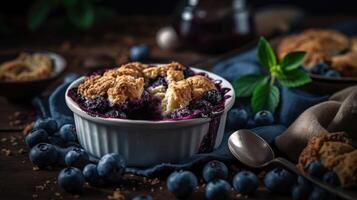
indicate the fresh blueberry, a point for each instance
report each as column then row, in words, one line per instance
column 143, row 197
column 332, row 73
column 91, row 175
column 215, row 170
column 237, row 118
column 49, row 125
column 72, row 144
column 251, row 124
column 279, row 181
column 71, row 180
column 43, row 155
column 320, row 68
column 318, row 194
column 212, row 96
column 62, row 152
column 331, row 178
column 264, row 118
column 56, row 140
column 77, row 157
column 300, row 192
column 36, row 136
column 316, row 169
column 218, row 190
column 111, row 167
column 139, row 52
column 182, row 183
column 245, row 182
column 303, row 181
column 68, row 132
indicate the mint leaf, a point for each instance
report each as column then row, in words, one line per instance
column 293, row 78
column 38, row 13
column 266, row 54
column 245, row 85
column 292, row 60
column 82, row 14
column 265, row 96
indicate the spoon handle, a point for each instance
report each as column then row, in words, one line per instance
column 350, row 195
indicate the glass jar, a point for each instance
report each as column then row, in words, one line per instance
column 214, row 25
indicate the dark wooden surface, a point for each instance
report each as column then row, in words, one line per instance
column 18, row 177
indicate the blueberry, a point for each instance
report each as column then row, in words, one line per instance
column 116, row 114
column 71, row 180
column 180, row 113
column 279, row 181
column 251, row 124
column 316, row 169
column 36, row 136
column 91, row 175
column 212, row 96
column 181, row 183
column 99, row 104
column 139, row 52
column 77, row 157
column 300, row 192
column 62, row 152
column 215, row 170
column 245, row 182
column 320, row 68
column 143, row 197
column 111, row 167
column 331, row 178
column 49, row 125
column 72, row 144
column 56, row 140
column 303, row 181
column 160, row 80
column 318, row 194
column 332, row 73
column 237, row 118
column 43, row 155
column 264, row 118
column 218, row 190
column 68, row 132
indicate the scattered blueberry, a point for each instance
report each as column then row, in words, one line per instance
column 332, row 73
column 111, row 167
column 264, row 118
column 91, row 175
column 237, row 118
column 279, row 181
column 56, row 140
column 68, row 132
column 36, row 136
column 218, row 190
column 77, row 157
column 182, row 183
column 316, row 169
column 320, row 68
column 331, row 178
column 245, row 182
column 143, row 197
column 318, row 194
column 72, row 144
column 251, row 124
column 215, row 170
column 62, row 152
column 71, row 180
column 212, row 96
column 139, row 52
column 43, row 155
column 303, row 181
column 300, row 192
column 49, row 125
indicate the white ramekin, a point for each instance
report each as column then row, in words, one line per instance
column 144, row 142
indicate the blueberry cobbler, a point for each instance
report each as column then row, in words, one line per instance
column 150, row 92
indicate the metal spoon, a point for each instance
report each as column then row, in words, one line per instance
column 255, row 152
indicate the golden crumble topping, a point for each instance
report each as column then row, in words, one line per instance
column 27, row 67
column 345, row 63
column 96, row 85
column 153, row 72
column 177, row 95
column 200, row 84
column 126, row 87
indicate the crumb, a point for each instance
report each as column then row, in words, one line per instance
column 117, row 195
column 35, row 168
column 28, row 128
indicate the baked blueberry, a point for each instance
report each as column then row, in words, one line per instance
column 43, row 155
column 116, row 113
column 139, row 52
column 316, row 169
column 300, row 192
column 245, row 182
column 180, row 113
column 331, row 178
column 279, row 181
column 91, row 175
column 318, row 194
column 142, row 197
column 215, row 170
column 237, row 118
column 181, row 183
column 218, row 190
column 48, row 124
column 320, row 68
column 77, row 157
column 99, row 104
column 264, row 118
column 212, row 96
column 111, row 167
column 332, row 73
column 71, row 180
column 68, row 132
column 56, row 140
column 36, row 136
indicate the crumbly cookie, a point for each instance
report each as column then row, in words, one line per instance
column 126, row 87
column 319, row 45
column 354, row 44
column 200, row 84
column 177, row 95
column 134, row 69
column 346, row 64
column 153, row 72
column 95, row 86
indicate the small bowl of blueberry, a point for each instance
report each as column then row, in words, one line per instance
column 150, row 113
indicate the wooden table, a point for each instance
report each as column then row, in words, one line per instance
column 19, row 179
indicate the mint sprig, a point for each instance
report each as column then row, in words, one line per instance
column 263, row 88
